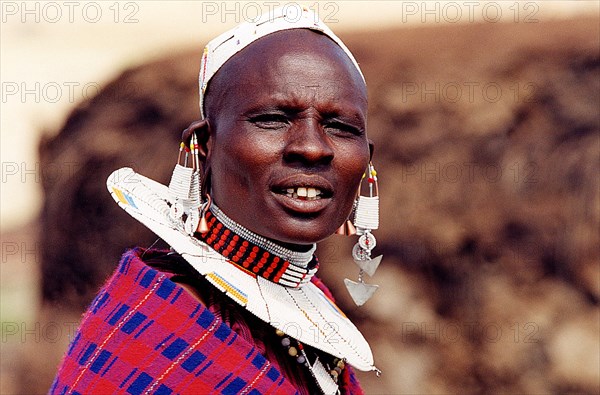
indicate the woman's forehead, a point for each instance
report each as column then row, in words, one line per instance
column 222, row 48
column 290, row 65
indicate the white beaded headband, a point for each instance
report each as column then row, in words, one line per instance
column 222, row 48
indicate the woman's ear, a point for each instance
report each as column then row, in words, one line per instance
column 202, row 130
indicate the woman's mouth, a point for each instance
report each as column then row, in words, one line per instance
column 304, row 193
column 305, row 198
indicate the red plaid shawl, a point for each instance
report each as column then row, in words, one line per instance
column 143, row 333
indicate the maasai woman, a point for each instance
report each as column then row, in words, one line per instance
column 273, row 167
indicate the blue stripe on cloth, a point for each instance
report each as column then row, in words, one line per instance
column 162, row 343
column 133, row 322
column 74, row 343
column 163, row 390
column 222, row 332
column 143, row 329
column 176, row 296
column 117, row 316
column 254, row 392
column 206, row 318
column 165, row 289
column 196, row 309
column 54, row 384
column 100, row 361
column 273, row 374
column 140, row 384
column 109, row 366
column 224, row 380
column 175, row 348
column 147, row 279
column 258, row 361
column 128, row 377
column 99, row 301
column 88, row 352
column 204, row 368
column 193, row 361
column 234, row 387
column 124, row 265
column 232, row 338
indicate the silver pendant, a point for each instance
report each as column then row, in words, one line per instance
column 369, row 265
column 361, row 253
column 360, row 292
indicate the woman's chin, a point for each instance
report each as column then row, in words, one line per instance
column 299, row 238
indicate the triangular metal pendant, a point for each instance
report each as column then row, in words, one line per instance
column 360, row 292
column 369, row 265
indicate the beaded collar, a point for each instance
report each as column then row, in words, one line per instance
column 255, row 253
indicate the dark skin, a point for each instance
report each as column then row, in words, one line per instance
column 289, row 111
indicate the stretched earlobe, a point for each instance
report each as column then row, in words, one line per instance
column 201, row 128
column 371, row 149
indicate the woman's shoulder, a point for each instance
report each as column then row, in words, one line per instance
column 144, row 332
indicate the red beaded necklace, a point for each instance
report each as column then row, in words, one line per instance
column 254, row 258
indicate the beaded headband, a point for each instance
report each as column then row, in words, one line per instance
column 222, row 48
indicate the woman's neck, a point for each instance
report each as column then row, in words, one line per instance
column 300, row 255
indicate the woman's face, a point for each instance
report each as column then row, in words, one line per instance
column 288, row 145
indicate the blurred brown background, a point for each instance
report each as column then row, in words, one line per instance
column 488, row 150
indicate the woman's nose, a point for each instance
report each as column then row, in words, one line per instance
column 308, row 144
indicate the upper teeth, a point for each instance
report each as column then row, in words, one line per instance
column 304, row 192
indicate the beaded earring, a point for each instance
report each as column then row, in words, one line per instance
column 185, row 186
column 366, row 219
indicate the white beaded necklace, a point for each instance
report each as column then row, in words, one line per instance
column 296, row 258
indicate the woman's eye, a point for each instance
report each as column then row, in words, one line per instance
column 270, row 121
column 340, row 127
